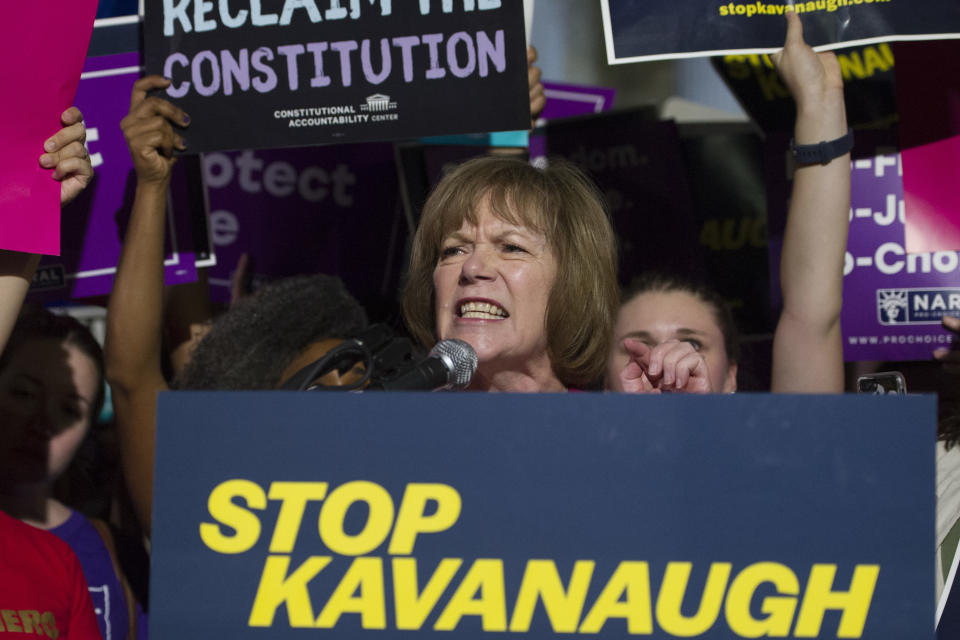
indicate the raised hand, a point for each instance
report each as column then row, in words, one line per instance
column 148, row 129
column 808, row 74
column 816, row 82
column 538, row 100
column 65, row 153
column 672, row 366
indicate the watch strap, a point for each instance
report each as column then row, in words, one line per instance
column 822, row 152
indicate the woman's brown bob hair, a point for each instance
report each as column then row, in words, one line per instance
column 562, row 204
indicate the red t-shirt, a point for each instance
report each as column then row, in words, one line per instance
column 42, row 589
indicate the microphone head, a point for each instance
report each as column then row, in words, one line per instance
column 460, row 360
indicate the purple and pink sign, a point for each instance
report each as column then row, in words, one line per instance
column 93, row 224
column 893, row 301
column 928, row 100
column 930, row 177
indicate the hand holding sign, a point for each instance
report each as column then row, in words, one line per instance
column 148, row 129
column 66, row 154
column 669, row 367
column 816, row 83
column 538, row 98
column 68, row 158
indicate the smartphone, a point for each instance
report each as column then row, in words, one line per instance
column 882, row 383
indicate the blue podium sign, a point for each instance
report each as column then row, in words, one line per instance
column 418, row 515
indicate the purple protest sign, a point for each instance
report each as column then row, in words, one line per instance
column 308, row 210
column 893, row 302
column 568, row 100
column 92, row 224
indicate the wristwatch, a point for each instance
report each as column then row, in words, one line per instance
column 822, row 152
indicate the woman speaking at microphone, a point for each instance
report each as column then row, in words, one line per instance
column 521, row 264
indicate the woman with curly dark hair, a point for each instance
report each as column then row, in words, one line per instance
column 263, row 338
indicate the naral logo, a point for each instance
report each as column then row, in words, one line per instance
column 916, row 306
column 378, row 103
column 48, row 277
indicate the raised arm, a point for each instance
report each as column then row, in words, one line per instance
column 807, row 347
column 135, row 312
column 16, row 273
column 64, row 154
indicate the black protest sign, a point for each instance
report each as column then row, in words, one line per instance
column 655, row 29
column 725, row 171
column 638, row 166
column 269, row 73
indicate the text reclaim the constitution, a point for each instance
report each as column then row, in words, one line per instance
column 263, row 69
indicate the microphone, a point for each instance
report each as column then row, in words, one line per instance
column 449, row 366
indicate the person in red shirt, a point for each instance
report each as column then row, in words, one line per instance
column 43, row 591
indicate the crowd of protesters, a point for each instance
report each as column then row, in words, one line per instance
column 519, row 262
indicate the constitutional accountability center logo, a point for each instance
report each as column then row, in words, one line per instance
column 916, row 306
column 378, row 103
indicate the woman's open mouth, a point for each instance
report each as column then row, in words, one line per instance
column 482, row 311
